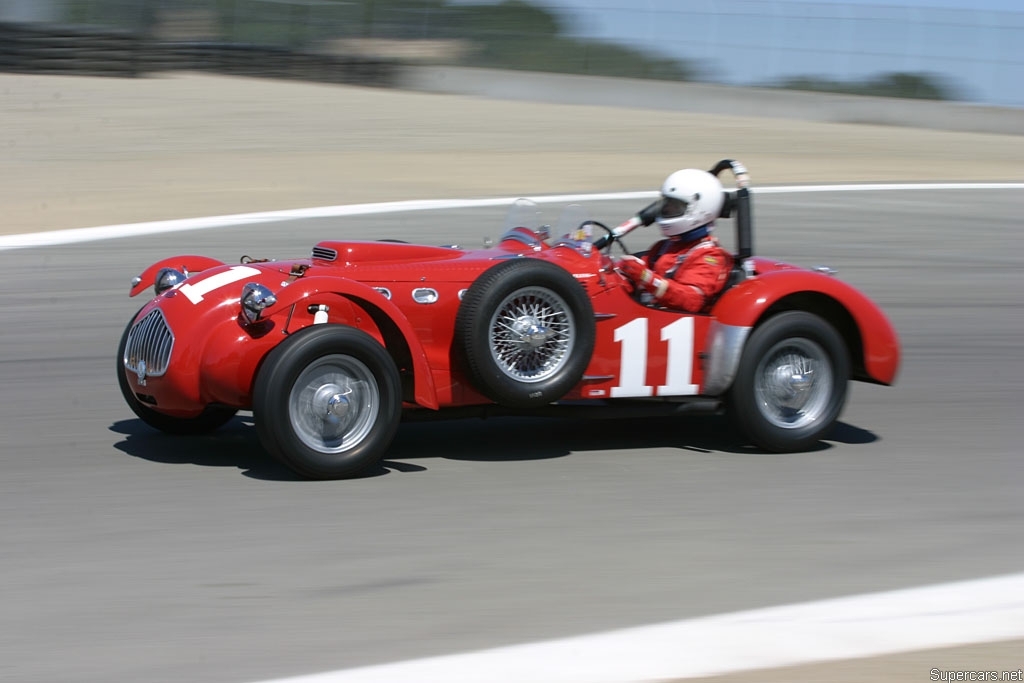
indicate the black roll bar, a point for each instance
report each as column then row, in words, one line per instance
column 741, row 204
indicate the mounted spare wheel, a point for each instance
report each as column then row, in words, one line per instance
column 526, row 331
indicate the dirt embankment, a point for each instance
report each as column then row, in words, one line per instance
column 80, row 152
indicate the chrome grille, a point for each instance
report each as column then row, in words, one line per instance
column 149, row 342
column 325, row 254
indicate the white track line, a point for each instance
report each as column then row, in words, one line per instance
column 105, row 232
column 978, row 611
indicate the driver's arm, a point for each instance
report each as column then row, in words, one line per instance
column 700, row 277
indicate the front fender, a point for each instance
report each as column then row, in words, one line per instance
column 306, row 288
column 750, row 301
column 186, row 263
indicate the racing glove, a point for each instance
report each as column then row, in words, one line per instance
column 642, row 276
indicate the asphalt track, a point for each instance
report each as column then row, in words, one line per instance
column 134, row 556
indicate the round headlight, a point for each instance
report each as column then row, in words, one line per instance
column 167, row 278
column 256, row 297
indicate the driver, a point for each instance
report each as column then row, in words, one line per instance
column 688, row 267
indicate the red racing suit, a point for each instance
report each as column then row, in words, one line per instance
column 681, row 275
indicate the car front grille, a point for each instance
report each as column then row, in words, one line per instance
column 148, row 350
column 325, row 253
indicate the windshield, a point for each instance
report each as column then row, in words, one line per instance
column 572, row 224
column 575, row 230
column 524, row 213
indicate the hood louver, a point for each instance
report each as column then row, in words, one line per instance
column 325, row 254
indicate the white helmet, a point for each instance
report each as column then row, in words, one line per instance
column 690, row 199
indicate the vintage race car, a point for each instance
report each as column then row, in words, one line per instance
column 331, row 352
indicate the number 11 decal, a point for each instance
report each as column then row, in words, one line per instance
column 633, row 375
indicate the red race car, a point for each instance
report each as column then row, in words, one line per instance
column 331, row 352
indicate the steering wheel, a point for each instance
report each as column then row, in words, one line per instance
column 608, row 240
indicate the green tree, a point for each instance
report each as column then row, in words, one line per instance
column 907, row 85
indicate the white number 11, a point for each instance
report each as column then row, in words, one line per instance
column 633, row 375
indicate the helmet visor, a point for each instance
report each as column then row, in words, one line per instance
column 672, row 207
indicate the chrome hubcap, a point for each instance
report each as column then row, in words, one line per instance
column 334, row 404
column 532, row 335
column 794, row 383
column 332, row 400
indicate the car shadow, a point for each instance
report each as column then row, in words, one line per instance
column 497, row 439
column 522, row 438
column 233, row 445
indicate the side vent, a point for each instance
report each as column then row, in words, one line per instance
column 325, row 254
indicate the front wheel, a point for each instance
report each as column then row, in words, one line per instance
column 212, row 417
column 327, row 402
column 791, row 382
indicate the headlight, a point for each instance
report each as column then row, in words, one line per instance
column 167, row 278
column 256, row 297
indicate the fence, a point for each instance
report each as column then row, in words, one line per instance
column 92, row 51
column 57, row 49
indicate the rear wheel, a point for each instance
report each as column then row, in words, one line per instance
column 327, row 402
column 791, row 382
column 212, row 418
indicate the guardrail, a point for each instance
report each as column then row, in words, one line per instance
column 66, row 50
column 107, row 52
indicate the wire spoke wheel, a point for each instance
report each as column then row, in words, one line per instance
column 531, row 334
column 525, row 332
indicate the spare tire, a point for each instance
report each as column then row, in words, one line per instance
column 526, row 332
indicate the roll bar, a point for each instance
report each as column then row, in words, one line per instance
column 740, row 202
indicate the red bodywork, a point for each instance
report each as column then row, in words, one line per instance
column 639, row 351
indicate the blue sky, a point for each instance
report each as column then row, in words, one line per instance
column 977, row 46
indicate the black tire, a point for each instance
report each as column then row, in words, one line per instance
column 212, row 418
column 546, row 346
column 791, row 382
column 327, row 402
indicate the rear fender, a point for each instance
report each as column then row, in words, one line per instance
column 399, row 336
column 186, row 263
column 870, row 337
